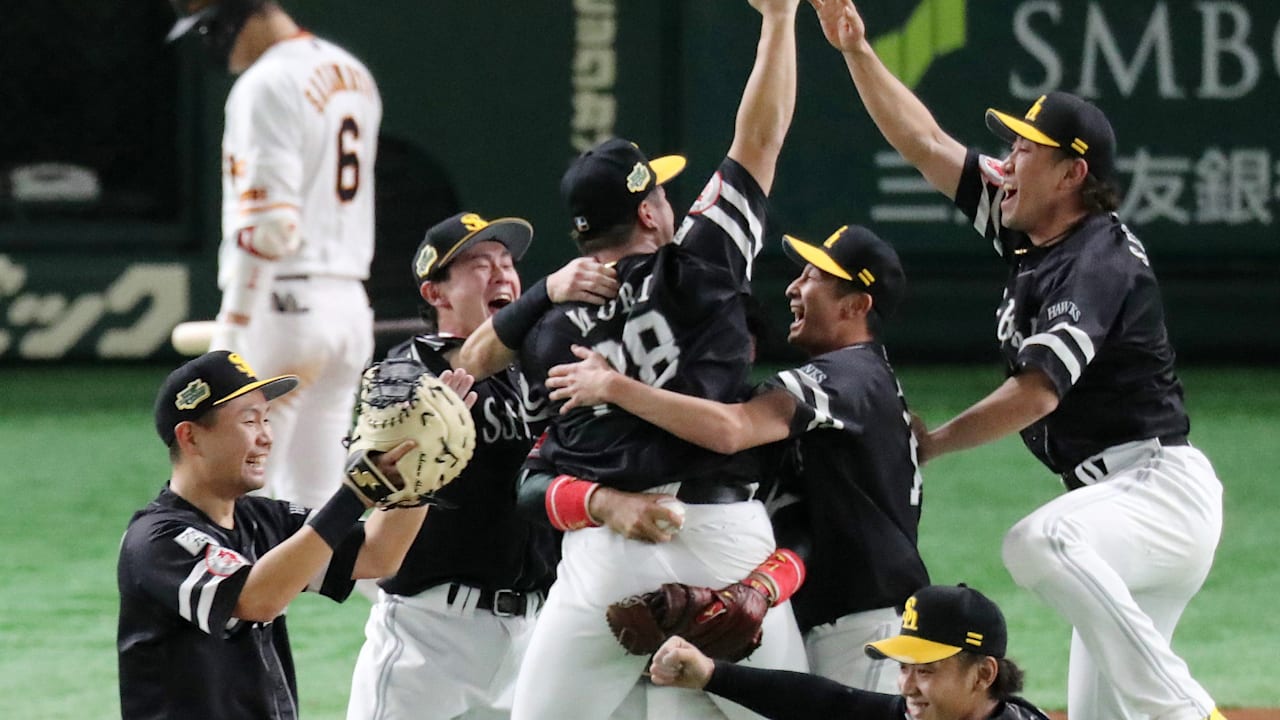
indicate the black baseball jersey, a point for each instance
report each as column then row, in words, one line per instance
column 181, row 652
column 784, row 695
column 479, row 539
column 1087, row 312
column 860, row 483
column 678, row 323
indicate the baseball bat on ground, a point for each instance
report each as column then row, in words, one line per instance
column 192, row 338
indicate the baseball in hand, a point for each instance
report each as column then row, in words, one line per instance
column 675, row 506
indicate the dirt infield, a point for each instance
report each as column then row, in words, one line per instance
column 1232, row 714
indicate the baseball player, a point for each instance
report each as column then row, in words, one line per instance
column 854, row 508
column 1091, row 387
column 206, row 570
column 677, row 322
column 298, row 153
column 952, row 666
column 448, row 630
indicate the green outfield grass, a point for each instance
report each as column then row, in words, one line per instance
column 82, row 455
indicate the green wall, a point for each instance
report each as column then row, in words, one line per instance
column 487, row 101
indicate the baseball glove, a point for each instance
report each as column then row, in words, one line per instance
column 400, row 400
column 724, row 624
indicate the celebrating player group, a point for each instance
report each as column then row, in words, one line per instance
column 582, row 508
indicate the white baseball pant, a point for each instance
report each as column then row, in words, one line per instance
column 574, row 666
column 1120, row 559
column 836, row 651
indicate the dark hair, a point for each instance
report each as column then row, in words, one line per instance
column 430, row 316
column 875, row 321
column 205, row 421
column 1099, row 196
column 612, row 237
column 1009, row 676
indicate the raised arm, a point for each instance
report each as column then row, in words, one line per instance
column 903, row 120
column 721, row 427
column 769, row 99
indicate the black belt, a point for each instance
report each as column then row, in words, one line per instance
column 713, row 493
column 292, row 277
column 501, row 602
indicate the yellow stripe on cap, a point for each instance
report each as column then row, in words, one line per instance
column 816, row 256
column 866, row 277
column 973, row 638
column 1022, row 128
column 667, row 167
column 1079, row 146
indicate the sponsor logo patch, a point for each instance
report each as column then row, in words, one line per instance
column 193, row 540
column 638, row 179
column 709, row 196
column 223, row 561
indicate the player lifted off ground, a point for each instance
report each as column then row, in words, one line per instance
column 206, row 570
column 951, row 666
column 298, row 147
column 677, row 322
column 854, row 502
column 1091, row 387
column 446, row 635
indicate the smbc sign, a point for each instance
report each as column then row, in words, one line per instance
column 1190, row 87
column 76, row 306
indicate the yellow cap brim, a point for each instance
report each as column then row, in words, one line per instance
column 910, row 650
column 816, row 256
column 667, row 167
column 271, row 387
column 1022, row 128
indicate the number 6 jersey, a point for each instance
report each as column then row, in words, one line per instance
column 302, row 133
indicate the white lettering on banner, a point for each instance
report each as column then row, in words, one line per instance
column 595, row 72
column 1235, row 186
column 1230, row 68
column 156, row 293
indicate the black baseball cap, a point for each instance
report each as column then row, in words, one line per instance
column 206, row 382
column 604, row 185
column 1066, row 121
column 856, row 254
column 449, row 238
column 940, row 621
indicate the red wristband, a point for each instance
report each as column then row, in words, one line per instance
column 566, row 503
column 779, row 577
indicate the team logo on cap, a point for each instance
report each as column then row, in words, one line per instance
column 638, row 179
column 425, row 261
column 473, row 222
column 1035, row 109
column 189, row 397
column 239, row 363
column 910, row 616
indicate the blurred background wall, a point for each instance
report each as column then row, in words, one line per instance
column 109, row 189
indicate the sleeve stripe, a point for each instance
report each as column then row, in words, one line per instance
column 1080, row 337
column 743, row 205
column 188, row 588
column 207, row 595
column 810, row 393
column 1059, row 349
column 733, row 230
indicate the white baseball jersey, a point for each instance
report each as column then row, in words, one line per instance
column 302, row 130
column 300, row 139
